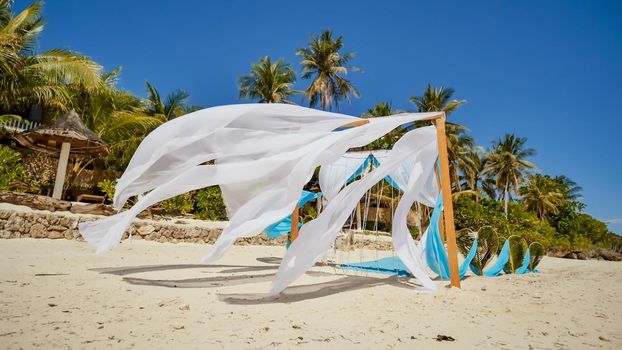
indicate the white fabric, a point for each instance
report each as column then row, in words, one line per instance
column 185, row 142
column 263, row 155
column 316, row 236
column 333, row 176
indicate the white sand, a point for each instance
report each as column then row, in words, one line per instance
column 58, row 294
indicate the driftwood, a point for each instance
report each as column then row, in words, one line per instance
column 34, row 201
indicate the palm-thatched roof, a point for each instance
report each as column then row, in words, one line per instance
column 68, row 128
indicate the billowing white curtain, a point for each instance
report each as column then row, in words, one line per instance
column 316, row 236
column 333, row 176
column 263, row 155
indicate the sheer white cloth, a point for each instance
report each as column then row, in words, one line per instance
column 316, row 236
column 263, row 156
column 333, row 176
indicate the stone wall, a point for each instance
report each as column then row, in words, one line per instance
column 18, row 224
column 25, row 224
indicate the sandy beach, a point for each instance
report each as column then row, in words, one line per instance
column 58, row 294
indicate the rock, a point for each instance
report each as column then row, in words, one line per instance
column 5, row 234
column 55, row 235
column 57, row 228
column 37, row 231
column 145, row 230
column 184, row 307
column 607, row 254
column 15, row 223
column 580, row 255
column 570, row 255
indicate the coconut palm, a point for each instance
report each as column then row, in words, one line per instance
column 28, row 78
column 268, row 82
column 541, row 195
column 474, row 177
column 382, row 109
column 436, row 100
column 325, row 65
column 508, row 166
column 171, row 108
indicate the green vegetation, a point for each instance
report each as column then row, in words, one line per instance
column 497, row 189
column 11, row 168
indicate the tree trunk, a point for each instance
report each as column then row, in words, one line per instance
column 506, row 198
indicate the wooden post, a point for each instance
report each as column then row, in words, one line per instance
column 441, row 224
column 61, row 170
column 448, row 208
column 294, row 228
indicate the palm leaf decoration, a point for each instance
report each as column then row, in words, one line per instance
column 487, row 247
column 537, row 252
column 518, row 249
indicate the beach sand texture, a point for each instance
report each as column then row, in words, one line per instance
column 59, row 294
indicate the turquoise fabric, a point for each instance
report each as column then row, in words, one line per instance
column 467, row 261
column 387, row 178
column 435, row 253
column 502, row 259
column 360, row 169
column 284, row 226
column 525, row 266
column 386, row 266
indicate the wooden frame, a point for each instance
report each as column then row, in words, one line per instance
column 445, row 184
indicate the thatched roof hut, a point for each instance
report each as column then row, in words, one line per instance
column 66, row 129
column 66, row 136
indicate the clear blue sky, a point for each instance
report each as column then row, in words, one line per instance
column 547, row 70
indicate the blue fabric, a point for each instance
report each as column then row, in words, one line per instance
column 386, row 266
column 434, row 250
column 525, row 266
column 467, row 261
column 387, row 178
column 284, row 226
column 502, row 259
column 360, row 169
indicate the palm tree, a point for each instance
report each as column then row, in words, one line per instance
column 269, row 82
column 173, row 107
column 474, row 177
column 27, row 78
column 541, row 195
column 382, row 109
column 436, row 100
column 507, row 165
column 460, row 145
column 323, row 62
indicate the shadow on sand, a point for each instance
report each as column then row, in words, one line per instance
column 233, row 275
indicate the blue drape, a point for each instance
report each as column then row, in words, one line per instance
column 284, row 226
column 525, row 266
column 502, row 259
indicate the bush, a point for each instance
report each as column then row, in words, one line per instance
column 209, row 205
column 11, row 168
column 177, row 205
column 108, row 187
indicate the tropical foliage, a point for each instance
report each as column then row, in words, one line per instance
column 508, row 166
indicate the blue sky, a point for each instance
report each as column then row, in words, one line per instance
column 547, row 70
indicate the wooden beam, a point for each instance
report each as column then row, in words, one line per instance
column 294, row 228
column 448, row 208
column 355, row 123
